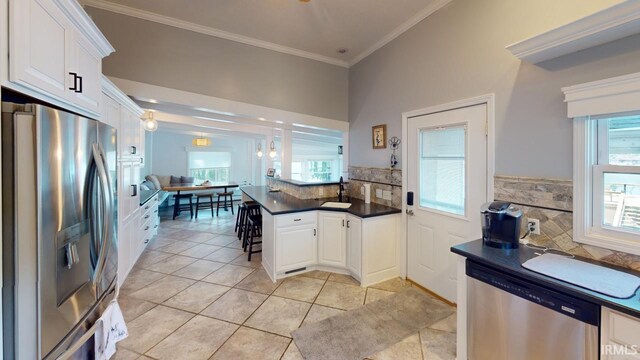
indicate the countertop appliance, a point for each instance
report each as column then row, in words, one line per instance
column 501, row 224
column 512, row 318
column 59, row 230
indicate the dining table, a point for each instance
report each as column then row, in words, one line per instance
column 177, row 188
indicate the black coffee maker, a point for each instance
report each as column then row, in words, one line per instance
column 501, row 225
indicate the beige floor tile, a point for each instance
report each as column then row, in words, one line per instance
column 139, row 278
column 319, row 313
column 250, row 344
column 163, row 289
column 292, row 353
column 149, row 329
column 237, row 244
column 344, row 279
column 197, row 339
column 222, row 240
column 394, row 285
column 242, row 260
column 186, row 232
column 341, row 296
column 124, row 354
column 201, row 250
column 300, row 288
column 201, row 237
column 199, row 269
column 159, row 242
column 178, row 247
column 224, row 255
column 165, row 230
column 407, row 349
column 235, row 305
column 376, row 294
column 132, row 307
column 317, row 274
column 260, row 282
column 448, row 324
column 228, row 275
column 150, row 257
column 437, row 344
column 278, row 315
column 171, row 264
column 196, row 297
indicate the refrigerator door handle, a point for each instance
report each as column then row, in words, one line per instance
column 107, row 204
column 83, row 339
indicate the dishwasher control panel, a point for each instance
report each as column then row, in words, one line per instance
column 552, row 299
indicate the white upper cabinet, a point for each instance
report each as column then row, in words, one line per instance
column 56, row 54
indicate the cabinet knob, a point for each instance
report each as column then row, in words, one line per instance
column 348, row 221
column 146, row 216
column 314, row 232
column 77, row 82
column 146, row 241
column 146, row 228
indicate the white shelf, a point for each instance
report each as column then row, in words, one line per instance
column 610, row 24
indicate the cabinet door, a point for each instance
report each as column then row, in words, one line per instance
column 111, row 115
column 124, row 190
column 40, row 41
column 124, row 251
column 354, row 245
column 332, row 246
column 88, row 65
column 125, row 134
column 140, row 141
column 296, row 247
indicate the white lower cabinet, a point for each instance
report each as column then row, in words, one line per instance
column 354, row 246
column 620, row 336
column 296, row 247
column 332, row 239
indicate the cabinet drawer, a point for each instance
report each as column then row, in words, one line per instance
column 296, row 219
column 624, row 329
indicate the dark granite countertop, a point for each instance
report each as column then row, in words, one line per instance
column 306, row 183
column 146, row 195
column 277, row 203
column 510, row 262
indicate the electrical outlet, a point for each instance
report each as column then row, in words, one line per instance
column 386, row 194
column 321, row 191
column 362, row 190
column 534, row 226
column 379, row 193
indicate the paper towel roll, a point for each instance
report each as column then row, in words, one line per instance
column 367, row 193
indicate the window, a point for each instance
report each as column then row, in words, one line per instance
column 442, row 167
column 214, row 166
column 315, row 160
column 606, row 162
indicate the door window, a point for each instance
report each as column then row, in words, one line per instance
column 442, row 169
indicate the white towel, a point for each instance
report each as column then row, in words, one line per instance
column 113, row 329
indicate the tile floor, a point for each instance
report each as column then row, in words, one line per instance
column 193, row 295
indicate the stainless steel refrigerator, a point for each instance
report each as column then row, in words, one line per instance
column 59, row 230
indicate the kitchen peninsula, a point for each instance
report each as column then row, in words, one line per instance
column 301, row 235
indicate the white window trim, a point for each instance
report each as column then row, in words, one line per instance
column 616, row 95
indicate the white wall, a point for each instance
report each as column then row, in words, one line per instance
column 459, row 52
column 170, row 155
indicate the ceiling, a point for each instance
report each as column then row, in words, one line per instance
column 315, row 29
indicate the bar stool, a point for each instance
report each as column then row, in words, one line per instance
column 178, row 206
column 240, row 216
column 248, row 208
column 252, row 228
column 225, row 195
column 205, row 205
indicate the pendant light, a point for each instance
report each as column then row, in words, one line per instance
column 150, row 124
column 201, row 141
column 272, row 151
column 259, row 152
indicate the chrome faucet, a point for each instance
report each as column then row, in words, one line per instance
column 341, row 189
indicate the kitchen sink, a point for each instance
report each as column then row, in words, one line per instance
column 334, row 204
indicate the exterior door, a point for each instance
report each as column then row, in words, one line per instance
column 447, row 172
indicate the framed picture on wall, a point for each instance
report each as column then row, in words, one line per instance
column 271, row 172
column 379, row 136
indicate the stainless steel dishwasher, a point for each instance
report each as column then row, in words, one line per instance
column 511, row 318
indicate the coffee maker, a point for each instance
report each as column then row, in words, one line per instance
column 501, row 225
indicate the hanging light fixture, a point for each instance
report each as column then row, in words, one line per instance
column 201, row 141
column 150, row 124
column 272, row 151
column 259, row 152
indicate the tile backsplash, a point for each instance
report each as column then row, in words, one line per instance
column 384, row 179
column 551, row 202
column 304, row 192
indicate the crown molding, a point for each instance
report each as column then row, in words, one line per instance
column 79, row 17
column 613, row 23
column 414, row 20
column 614, row 95
column 206, row 30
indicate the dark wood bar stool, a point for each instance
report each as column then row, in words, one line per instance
column 246, row 209
column 204, row 205
column 178, row 206
column 252, row 229
column 225, row 195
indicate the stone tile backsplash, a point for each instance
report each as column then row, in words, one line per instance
column 551, row 202
column 380, row 178
column 304, row 192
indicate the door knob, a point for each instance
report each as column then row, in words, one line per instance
column 410, row 212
